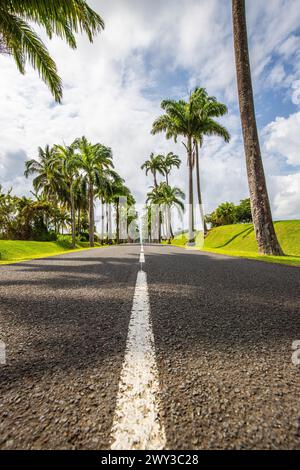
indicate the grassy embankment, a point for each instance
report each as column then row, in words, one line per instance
column 239, row 240
column 12, row 251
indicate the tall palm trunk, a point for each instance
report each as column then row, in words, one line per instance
column 91, row 214
column 56, row 223
column 73, row 219
column 163, row 222
column 117, row 222
column 102, row 221
column 191, row 196
column 78, row 220
column 106, row 213
column 159, row 225
column 167, row 178
column 149, row 223
column 260, row 205
column 199, row 189
column 168, row 223
column 109, row 224
column 155, row 180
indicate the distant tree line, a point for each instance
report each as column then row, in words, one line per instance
column 228, row 213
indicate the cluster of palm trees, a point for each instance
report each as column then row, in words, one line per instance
column 193, row 120
column 74, row 177
column 162, row 196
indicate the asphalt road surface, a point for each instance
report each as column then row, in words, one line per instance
column 223, row 330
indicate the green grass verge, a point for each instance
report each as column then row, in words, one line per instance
column 239, row 240
column 181, row 240
column 13, row 251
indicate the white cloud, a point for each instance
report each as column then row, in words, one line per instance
column 296, row 92
column 289, row 46
column 283, row 137
column 286, row 201
column 277, row 75
column 282, row 144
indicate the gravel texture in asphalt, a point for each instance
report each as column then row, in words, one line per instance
column 223, row 332
column 64, row 321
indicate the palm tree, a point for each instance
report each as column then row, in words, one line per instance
column 120, row 191
column 68, row 164
column 206, row 109
column 57, row 17
column 171, row 197
column 49, row 181
column 185, row 119
column 154, row 165
column 167, row 197
column 93, row 160
column 169, row 161
column 112, row 187
column 80, row 200
column 176, row 121
column 153, row 198
column 260, row 205
column 48, row 174
column 102, row 193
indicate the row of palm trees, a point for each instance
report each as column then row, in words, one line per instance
column 193, row 120
column 74, row 176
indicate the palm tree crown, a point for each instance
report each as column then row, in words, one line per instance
column 48, row 179
column 154, row 165
column 192, row 119
column 169, row 161
column 93, row 159
column 165, row 194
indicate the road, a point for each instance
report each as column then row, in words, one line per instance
column 223, row 330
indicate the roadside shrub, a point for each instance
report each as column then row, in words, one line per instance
column 84, row 236
column 228, row 213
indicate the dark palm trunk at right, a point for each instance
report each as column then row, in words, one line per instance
column 260, row 205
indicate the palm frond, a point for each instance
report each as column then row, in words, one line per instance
column 76, row 14
column 24, row 45
column 63, row 18
column 213, row 128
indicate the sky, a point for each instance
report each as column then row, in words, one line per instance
column 155, row 50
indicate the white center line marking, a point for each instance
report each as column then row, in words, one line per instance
column 137, row 424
